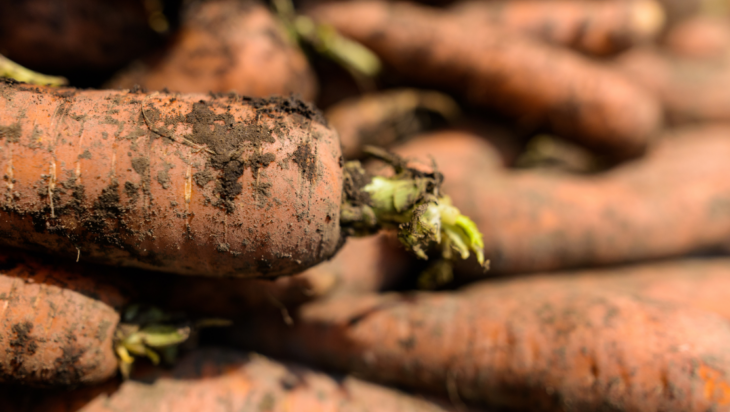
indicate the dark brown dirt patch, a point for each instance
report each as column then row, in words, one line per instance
column 305, row 158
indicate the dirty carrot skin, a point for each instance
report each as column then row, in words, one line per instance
column 702, row 283
column 541, row 84
column 669, row 203
column 197, row 184
column 224, row 380
column 592, row 27
column 223, row 46
column 56, row 325
column 520, row 345
column 65, row 324
column 190, row 184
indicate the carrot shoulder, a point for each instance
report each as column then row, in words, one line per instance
column 226, row 186
column 222, row 46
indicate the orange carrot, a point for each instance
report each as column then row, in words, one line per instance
column 594, row 27
column 701, row 283
column 701, row 37
column 536, row 83
column 57, row 325
column 224, row 186
column 670, row 203
column 363, row 265
column 519, row 344
column 691, row 90
column 223, row 380
column 222, row 46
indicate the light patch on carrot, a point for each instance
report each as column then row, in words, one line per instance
column 188, row 188
column 717, row 390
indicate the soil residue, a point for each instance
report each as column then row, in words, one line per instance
column 203, row 177
column 277, row 105
column 23, row 345
column 132, row 192
column 141, row 165
column 163, row 176
column 258, row 161
column 12, row 132
column 354, row 180
column 67, row 370
column 107, row 208
column 305, row 158
column 227, row 139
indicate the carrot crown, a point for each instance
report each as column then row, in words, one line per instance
column 409, row 201
column 146, row 331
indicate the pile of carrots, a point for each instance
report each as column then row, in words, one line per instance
column 184, row 224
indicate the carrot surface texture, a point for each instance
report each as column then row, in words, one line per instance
column 522, row 344
column 592, row 27
column 216, row 379
column 540, row 84
column 63, row 324
column 223, row 46
column 182, row 183
column 198, row 184
column 533, row 221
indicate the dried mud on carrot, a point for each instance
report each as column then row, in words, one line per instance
column 190, row 184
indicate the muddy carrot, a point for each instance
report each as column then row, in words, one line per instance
column 519, row 344
column 224, row 46
column 593, row 27
column 532, row 221
column 180, row 183
column 224, row 380
column 538, row 84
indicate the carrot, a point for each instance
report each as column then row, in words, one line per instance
column 691, row 90
column 670, row 203
column 64, row 324
column 593, row 27
column 224, row 380
column 701, row 37
column 75, row 36
column 222, row 46
column 363, row 265
column 700, row 283
column 519, row 344
column 57, row 326
column 62, row 319
column 537, row 83
column 155, row 181
column 224, row 186
column 386, row 117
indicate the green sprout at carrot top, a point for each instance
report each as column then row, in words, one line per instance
column 148, row 332
column 409, row 201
